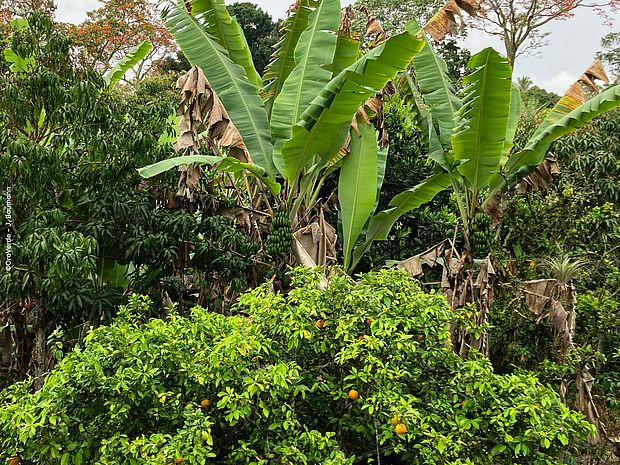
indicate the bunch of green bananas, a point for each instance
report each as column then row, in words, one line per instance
column 280, row 238
column 482, row 235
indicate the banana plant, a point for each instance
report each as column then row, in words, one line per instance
column 297, row 120
column 471, row 138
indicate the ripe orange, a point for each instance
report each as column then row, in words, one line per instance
column 400, row 428
column 205, row 403
column 14, row 460
column 179, row 460
column 362, row 337
column 395, row 420
column 353, row 394
column 320, row 323
column 367, row 321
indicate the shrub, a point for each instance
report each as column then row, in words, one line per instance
column 278, row 375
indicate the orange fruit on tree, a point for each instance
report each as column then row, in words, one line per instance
column 179, row 460
column 395, row 420
column 400, row 428
column 14, row 460
column 205, row 403
column 362, row 338
column 367, row 321
column 320, row 323
column 353, row 394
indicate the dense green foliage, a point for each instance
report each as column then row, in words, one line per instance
column 279, row 375
column 85, row 227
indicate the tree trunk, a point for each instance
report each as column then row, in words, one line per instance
column 39, row 349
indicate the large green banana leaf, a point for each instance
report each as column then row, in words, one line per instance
column 356, row 195
column 565, row 105
column 283, row 58
column 478, row 140
column 228, row 164
column 381, row 224
column 313, row 54
column 347, row 52
column 425, row 119
column 215, row 18
column 323, row 126
column 133, row 57
column 245, row 108
column 437, row 91
column 525, row 162
column 165, row 165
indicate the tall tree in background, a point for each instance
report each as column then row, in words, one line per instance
column 611, row 53
column 110, row 32
column 518, row 22
column 11, row 8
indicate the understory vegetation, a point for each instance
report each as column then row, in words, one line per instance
column 318, row 241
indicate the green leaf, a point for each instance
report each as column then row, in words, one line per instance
column 525, row 162
column 215, row 17
column 324, row 125
column 478, row 141
column 381, row 224
column 19, row 64
column 283, row 59
column 166, row 165
column 245, row 108
column 228, row 164
column 347, row 52
column 313, row 53
column 431, row 73
column 133, row 57
column 359, row 171
column 232, row 165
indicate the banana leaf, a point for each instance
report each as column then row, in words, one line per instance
column 525, row 162
column 478, row 140
column 283, row 58
column 323, row 126
column 359, row 171
column 245, row 108
column 228, row 164
column 313, row 54
column 218, row 22
column 431, row 73
column 135, row 56
column 381, row 224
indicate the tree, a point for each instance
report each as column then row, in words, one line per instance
column 518, row 22
column 23, row 8
column 85, row 227
column 394, row 13
column 611, row 53
column 110, row 32
column 313, row 89
column 274, row 381
column 471, row 141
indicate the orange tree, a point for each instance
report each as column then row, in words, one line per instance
column 110, row 32
column 267, row 384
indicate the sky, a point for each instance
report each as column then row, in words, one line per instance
column 572, row 44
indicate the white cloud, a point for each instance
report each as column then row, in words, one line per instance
column 74, row 11
column 558, row 83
